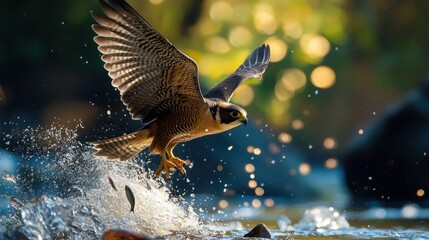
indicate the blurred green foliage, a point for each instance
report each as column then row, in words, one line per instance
column 376, row 49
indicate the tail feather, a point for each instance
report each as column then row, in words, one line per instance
column 123, row 147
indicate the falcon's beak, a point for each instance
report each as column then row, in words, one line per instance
column 243, row 120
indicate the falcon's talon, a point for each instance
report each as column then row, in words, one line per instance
column 165, row 165
column 179, row 164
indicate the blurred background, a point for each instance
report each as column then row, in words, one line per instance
column 341, row 115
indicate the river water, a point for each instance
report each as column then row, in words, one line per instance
column 62, row 192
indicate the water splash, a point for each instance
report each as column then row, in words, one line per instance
column 77, row 200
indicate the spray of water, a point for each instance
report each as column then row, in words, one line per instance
column 63, row 191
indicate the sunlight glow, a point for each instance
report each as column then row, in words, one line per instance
column 218, row 45
column 329, row 143
column 331, row 163
column 240, row 36
column 314, row 46
column 252, row 184
column 221, row 10
column 156, row 2
column 304, row 169
column 292, row 28
column 420, row 193
column 244, row 95
column 285, row 137
column 223, row 203
column 323, row 77
column 264, row 19
column 278, row 49
column 259, row 191
column 250, row 168
column 297, row 124
column 256, row 203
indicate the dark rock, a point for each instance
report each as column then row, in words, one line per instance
column 388, row 164
column 259, row 231
column 122, row 234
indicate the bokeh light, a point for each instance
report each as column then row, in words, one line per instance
column 156, row 2
column 304, row 169
column 240, row 36
column 331, row 163
column 297, row 124
column 314, row 46
column 420, row 193
column 259, row 191
column 249, row 168
column 221, row 11
column 293, row 79
column 285, row 137
column 264, row 19
column 329, row 143
column 278, row 49
column 244, row 95
column 252, row 184
column 323, row 77
column 223, row 203
column 256, row 203
column 269, row 202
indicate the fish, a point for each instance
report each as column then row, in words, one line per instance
column 111, row 183
column 130, row 197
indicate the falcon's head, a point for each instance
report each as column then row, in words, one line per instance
column 229, row 115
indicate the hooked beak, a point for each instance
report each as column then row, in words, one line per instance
column 243, row 120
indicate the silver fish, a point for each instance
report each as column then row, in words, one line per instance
column 111, row 183
column 130, row 197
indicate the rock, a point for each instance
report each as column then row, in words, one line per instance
column 259, row 231
column 122, row 234
column 388, row 164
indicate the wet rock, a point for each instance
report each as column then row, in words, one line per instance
column 259, row 231
column 122, row 234
column 388, row 163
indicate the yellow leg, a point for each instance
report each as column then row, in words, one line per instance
column 165, row 165
column 177, row 161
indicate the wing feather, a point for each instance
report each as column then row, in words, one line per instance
column 149, row 72
column 253, row 67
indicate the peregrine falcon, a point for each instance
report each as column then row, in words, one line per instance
column 159, row 86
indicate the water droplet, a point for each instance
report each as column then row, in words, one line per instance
column 108, row 112
column 230, row 148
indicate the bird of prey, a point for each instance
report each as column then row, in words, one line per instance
column 159, row 86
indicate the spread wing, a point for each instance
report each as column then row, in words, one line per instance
column 149, row 72
column 253, row 67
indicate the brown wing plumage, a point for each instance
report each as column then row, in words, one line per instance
column 253, row 67
column 149, row 72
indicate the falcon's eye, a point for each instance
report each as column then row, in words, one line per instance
column 234, row 114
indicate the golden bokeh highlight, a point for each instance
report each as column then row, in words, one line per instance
column 285, row 137
column 259, row 191
column 249, row 168
column 323, row 77
column 240, row 36
column 304, row 169
column 314, row 46
column 223, row 204
column 256, row 203
column 293, row 79
column 360, row 131
column 329, row 143
column 244, row 95
column 219, row 168
column 297, row 124
column 218, row 45
column 278, row 49
column 156, row 2
column 257, row 151
column 221, row 11
column 250, row 149
column 292, row 28
column 331, row 163
column 252, row 184
column 264, row 19
column 420, row 193
column 269, row 202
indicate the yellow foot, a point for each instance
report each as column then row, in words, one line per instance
column 179, row 164
column 165, row 165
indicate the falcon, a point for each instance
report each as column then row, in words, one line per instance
column 159, row 86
